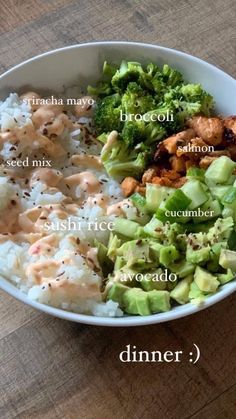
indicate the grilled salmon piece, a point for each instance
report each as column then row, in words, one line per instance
column 209, row 129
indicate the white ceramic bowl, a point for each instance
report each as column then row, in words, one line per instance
column 81, row 65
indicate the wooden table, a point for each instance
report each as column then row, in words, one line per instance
column 56, row 369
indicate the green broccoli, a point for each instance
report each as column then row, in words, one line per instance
column 133, row 132
column 171, row 76
column 136, row 100
column 128, row 72
column 120, row 161
column 142, row 93
column 109, row 70
column 194, row 93
column 102, row 89
column 107, row 114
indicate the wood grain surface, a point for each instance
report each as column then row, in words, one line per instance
column 52, row 369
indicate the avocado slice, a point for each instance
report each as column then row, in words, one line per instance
column 228, row 259
column 116, row 292
column 183, row 268
column 113, row 244
column 195, row 293
column 150, row 281
column 205, row 281
column 135, row 301
column 224, row 278
column 168, row 254
column 181, row 292
column 197, row 256
column 105, row 262
column 159, row 301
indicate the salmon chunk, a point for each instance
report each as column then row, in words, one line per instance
column 209, row 129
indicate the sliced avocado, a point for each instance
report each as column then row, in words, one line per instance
column 181, row 292
column 213, row 263
column 113, row 244
column 159, row 301
column 105, row 262
column 198, row 256
column 168, row 254
column 136, row 253
column 155, row 249
column 195, row 292
column 205, row 281
column 150, row 281
column 224, row 278
column 135, row 301
column 119, row 263
column 228, row 259
column 222, row 229
column 116, row 292
column 183, row 268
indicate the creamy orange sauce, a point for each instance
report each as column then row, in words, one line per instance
column 9, row 217
column 85, row 107
column 87, row 160
column 118, row 208
column 51, row 177
column 44, row 245
column 86, row 180
column 98, row 199
column 91, row 257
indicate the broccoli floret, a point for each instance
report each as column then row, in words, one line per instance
column 171, row 76
column 121, row 161
column 102, row 89
column 133, row 132
column 166, row 79
column 107, row 114
column 195, row 93
column 128, row 71
column 109, row 70
column 154, row 131
column 136, row 100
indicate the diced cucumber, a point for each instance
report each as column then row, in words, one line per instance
column 218, row 191
column 220, row 170
column 155, row 194
column 126, row 227
column 139, row 201
column 229, row 199
column 154, row 228
column 178, row 201
column 213, row 208
column 196, row 173
column 194, row 190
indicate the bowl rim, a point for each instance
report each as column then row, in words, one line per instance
column 181, row 311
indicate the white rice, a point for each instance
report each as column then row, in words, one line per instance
column 18, row 263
